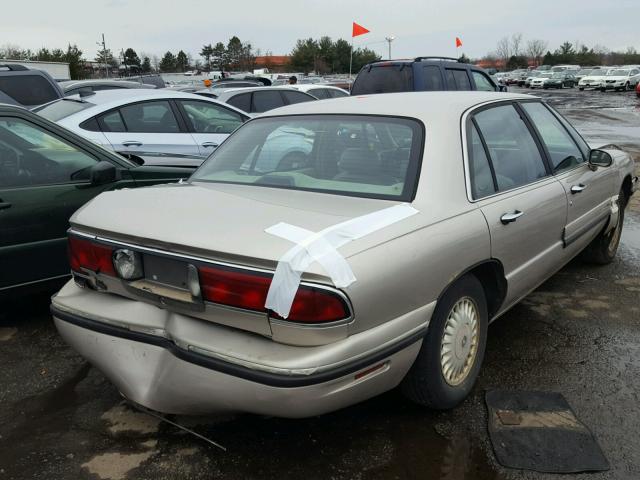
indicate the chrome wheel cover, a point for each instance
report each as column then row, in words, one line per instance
column 460, row 339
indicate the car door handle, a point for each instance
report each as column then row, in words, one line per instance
column 511, row 217
column 578, row 188
column 4, row 205
column 132, row 143
column 210, row 144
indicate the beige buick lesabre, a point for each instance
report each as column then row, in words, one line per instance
column 331, row 251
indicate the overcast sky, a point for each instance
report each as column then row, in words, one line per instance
column 421, row 27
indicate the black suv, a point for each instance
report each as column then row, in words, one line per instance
column 20, row 85
column 421, row 74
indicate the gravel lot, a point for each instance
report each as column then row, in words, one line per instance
column 578, row 334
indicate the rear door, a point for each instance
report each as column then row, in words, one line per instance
column 209, row 123
column 524, row 205
column 44, row 178
column 589, row 192
column 457, row 79
column 152, row 126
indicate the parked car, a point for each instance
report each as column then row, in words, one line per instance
column 541, row 79
column 262, row 99
column 29, row 88
column 419, row 74
column 585, row 72
column 593, row 80
column 376, row 260
column 514, row 76
column 183, row 126
column 532, row 74
column 73, row 87
column 560, row 80
column 47, row 173
column 320, row 91
column 621, row 79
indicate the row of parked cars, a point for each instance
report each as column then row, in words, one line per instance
column 257, row 284
column 617, row 78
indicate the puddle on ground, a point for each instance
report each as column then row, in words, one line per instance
column 630, row 240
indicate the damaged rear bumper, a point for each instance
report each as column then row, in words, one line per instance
column 187, row 366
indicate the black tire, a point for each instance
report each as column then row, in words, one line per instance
column 425, row 383
column 627, row 87
column 581, row 89
column 602, row 249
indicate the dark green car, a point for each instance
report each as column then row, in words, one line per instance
column 46, row 174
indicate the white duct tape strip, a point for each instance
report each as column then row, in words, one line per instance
column 322, row 247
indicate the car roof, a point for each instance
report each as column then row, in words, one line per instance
column 305, row 87
column 104, row 100
column 233, row 91
column 426, row 106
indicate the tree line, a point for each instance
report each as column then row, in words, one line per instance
column 326, row 56
column 513, row 52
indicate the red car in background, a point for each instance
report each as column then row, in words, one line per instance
column 638, row 89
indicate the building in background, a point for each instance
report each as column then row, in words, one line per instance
column 58, row 70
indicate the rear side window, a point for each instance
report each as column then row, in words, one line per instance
column 337, row 93
column 482, row 183
column 28, row 89
column 432, row 78
column 112, row 122
column 384, row 79
column 482, row 82
column 514, row 155
column 242, row 101
column 264, row 101
column 458, row 79
column 320, row 93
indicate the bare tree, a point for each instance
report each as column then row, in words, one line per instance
column 503, row 50
column 535, row 50
column 516, row 42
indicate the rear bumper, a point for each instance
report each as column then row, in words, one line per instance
column 168, row 373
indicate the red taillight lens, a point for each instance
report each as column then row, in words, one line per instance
column 91, row 256
column 241, row 289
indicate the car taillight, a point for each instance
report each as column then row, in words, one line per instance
column 85, row 254
column 237, row 288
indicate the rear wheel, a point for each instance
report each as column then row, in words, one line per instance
column 449, row 361
column 627, row 86
column 602, row 249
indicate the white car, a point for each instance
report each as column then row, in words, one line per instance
column 321, row 92
column 621, row 79
column 593, row 80
column 538, row 82
column 183, row 126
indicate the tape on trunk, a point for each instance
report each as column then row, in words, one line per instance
column 322, row 247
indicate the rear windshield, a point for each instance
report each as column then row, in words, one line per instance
column 28, row 90
column 62, row 109
column 367, row 156
column 384, row 79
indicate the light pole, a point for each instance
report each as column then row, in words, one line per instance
column 390, row 39
column 104, row 55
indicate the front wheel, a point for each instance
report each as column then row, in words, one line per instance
column 602, row 249
column 449, row 361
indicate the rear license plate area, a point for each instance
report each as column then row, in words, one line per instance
column 165, row 271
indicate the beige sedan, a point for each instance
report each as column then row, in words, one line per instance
column 330, row 251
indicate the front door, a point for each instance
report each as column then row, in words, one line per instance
column 43, row 180
column 524, row 205
column 588, row 191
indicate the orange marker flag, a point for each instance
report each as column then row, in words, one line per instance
column 358, row 30
column 458, row 42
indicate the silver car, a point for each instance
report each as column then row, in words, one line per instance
column 146, row 124
column 375, row 257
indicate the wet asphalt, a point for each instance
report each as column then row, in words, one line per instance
column 578, row 334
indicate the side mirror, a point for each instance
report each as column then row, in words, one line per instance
column 599, row 158
column 103, row 172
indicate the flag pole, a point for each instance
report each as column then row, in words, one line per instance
column 351, row 59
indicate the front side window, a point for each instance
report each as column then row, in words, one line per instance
column 563, row 151
column 208, row 117
column 458, row 79
column 368, row 156
column 482, row 82
column 513, row 152
column 31, row 155
column 150, row 117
